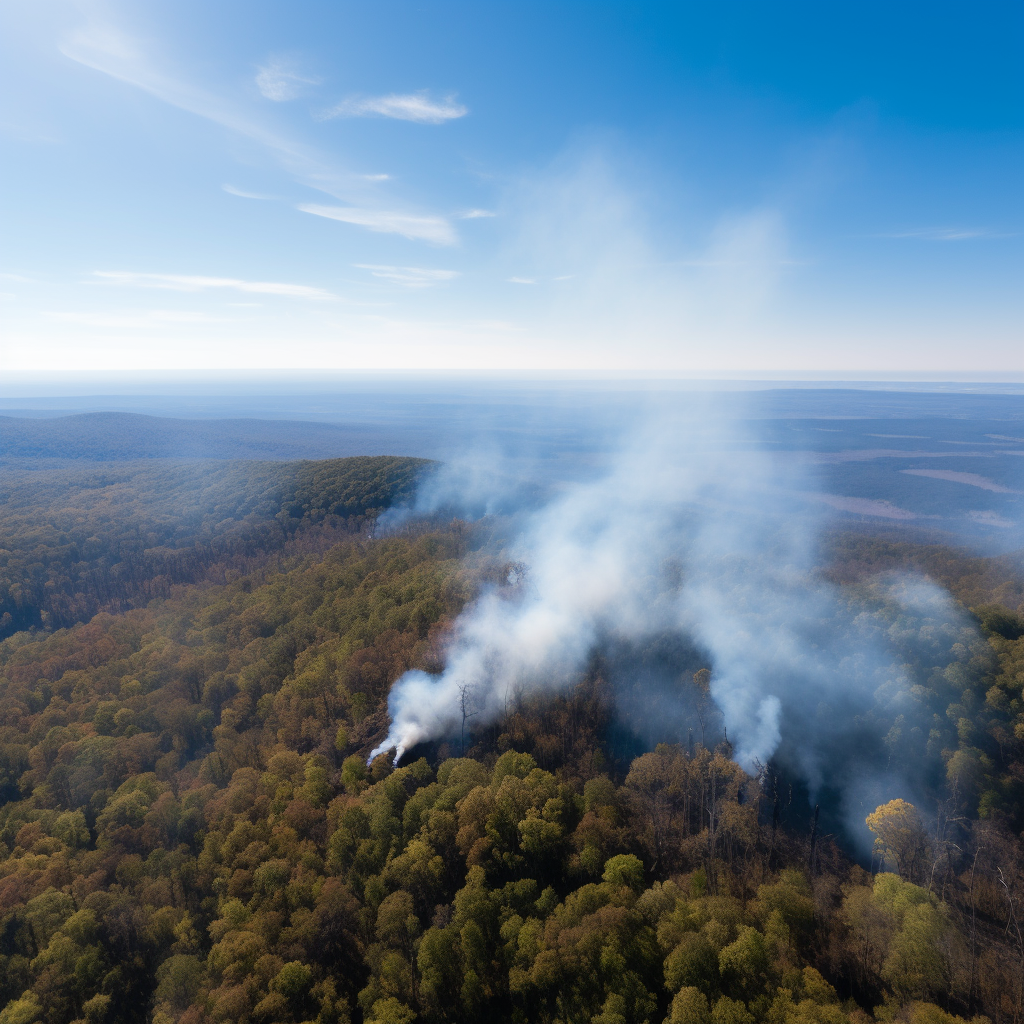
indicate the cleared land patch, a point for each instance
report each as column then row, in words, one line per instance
column 972, row 479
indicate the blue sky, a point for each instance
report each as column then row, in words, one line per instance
column 680, row 188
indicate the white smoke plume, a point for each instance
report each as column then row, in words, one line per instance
column 682, row 535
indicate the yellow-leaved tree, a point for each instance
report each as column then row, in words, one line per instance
column 900, row 837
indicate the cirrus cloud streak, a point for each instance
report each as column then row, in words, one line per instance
column 409, row 277
column 199, row 283
column 278, row 80
column 418, row 107
column 408, row 225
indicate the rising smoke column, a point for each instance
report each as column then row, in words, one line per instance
column 595, row 555
column 786, row 649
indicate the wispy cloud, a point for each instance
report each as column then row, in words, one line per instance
column 106, row 49
column 241, row 192
column 279, row 80
column 149, row 318
column 417, row 106
column 17, row 278
column 408, row 225
column 410, row 277
column 522, row 280
column 946, row 234
column 112, row 52
column 195, row 283
column 476, row 214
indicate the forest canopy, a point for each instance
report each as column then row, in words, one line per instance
column 78, row 538
column 189, row 830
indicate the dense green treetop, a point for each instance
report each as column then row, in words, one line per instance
column 189, row 830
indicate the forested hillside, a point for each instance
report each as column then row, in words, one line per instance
column 129, row 437
column 78, row 539
column 189, row 830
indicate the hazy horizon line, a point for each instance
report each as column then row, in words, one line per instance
column 19, row 380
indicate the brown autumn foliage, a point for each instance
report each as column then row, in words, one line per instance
column 189, row 830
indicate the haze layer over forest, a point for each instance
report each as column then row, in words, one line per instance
column 669, row 690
